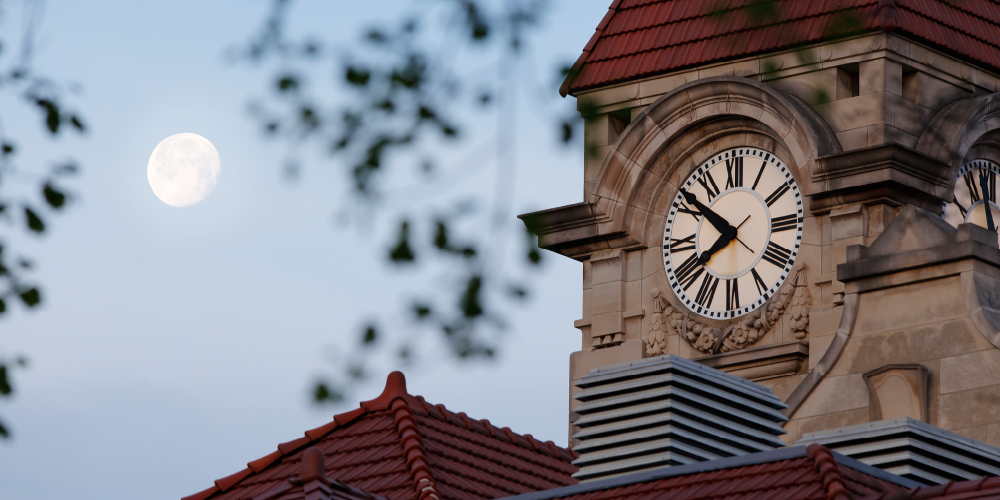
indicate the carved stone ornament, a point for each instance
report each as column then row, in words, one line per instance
column 794, row 298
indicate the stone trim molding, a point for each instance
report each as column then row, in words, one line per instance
column 829, row 358
column 761, row 363
column 955, row 128
column 890, row 173
column 603, row 220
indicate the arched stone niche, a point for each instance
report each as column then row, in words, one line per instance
column 635, row 174
column 957, row 127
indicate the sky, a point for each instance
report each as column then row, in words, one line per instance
column 177, row 344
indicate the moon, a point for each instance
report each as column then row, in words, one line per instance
column 183, row 169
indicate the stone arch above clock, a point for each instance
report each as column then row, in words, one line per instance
column 675, row 133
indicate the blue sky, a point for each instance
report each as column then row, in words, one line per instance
column 175, row 345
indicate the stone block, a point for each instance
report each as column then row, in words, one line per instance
column 910, row 305
column 848, row 222
column 832, row 421
column 898, row 390
column 656, row 87
column 970, row 371
column 958, row 410
column 835, row 394
column 979, row 433
column 946, row 339
column 817, row 348
column 606, row 324
column 633, row 265
column 606, row 298
column 814, row 87
column 853, row 139
column 587, row 274
column 865, row 353
column 585, row 313
column 935, row 94
column 992, row 435
column 607, row 266
column 854, row 112
column 581, row 362
column 910, row 117
column 824, row 320
column 593, row 161
column 812, row 231
column 633, row 296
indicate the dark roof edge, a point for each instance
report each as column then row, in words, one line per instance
column 763, row 457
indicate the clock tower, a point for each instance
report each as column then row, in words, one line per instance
column 808, row 202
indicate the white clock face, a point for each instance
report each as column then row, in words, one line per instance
column 733, row 232
column 975, row 197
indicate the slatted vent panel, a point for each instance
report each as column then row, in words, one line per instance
column 912, row 449
column 669, row 411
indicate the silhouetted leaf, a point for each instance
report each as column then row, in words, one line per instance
column 357, row 76
column 77, row 123
column 323, row 393
column 567, row 132
column 471, row 302
column 34, row 221
column 3, row 306
column 52, row 117
column 288, row 83
column 402, row 253
column 8, row 148
column 31, row 297
column 5, row 387
column 422, row 311
column 55, row 198
column 369, row 336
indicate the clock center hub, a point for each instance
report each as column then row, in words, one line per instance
column 746, row 211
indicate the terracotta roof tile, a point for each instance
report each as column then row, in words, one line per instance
column 401, row 447
column 640, row 38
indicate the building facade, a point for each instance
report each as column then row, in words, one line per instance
column 807, row 201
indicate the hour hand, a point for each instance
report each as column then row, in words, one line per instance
column 720, row 224
column 725, row 239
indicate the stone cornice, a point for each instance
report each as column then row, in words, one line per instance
column 888, row 173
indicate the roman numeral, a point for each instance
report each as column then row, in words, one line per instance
column 960, row 207
column 783, row 223
column 707, row 291
column 709, row 186
column 776, row 254
column 685, row 210
column 991, row 184
column 973, row 186
column 688, row 271
column 761, row 286
column 782, row 189
column 732, row 294
column 674, row 244
column 759, row 173
column 734, row 172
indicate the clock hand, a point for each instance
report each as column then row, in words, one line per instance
column 986, row 202
column 721, row 225
column 725, row 238
column 738, row 238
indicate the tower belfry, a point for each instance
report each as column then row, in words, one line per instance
column 805, row 198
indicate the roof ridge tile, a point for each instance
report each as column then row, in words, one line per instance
column 829, row 471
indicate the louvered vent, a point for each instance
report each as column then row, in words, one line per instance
column 912, row 449
column 669, row 411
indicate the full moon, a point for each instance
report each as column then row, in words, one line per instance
column 183, row 169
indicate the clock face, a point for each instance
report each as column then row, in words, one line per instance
column 733, row 232
column 975, row 197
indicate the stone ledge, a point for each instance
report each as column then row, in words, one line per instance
column 889, row 173
column 761, row 363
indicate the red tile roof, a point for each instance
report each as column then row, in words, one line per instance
column 977, row 489
column 401, row 447
column 311, row 483
column 639, row 38
column 813, row 473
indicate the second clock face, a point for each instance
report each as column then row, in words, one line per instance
column 733, row 233
column 975, row 197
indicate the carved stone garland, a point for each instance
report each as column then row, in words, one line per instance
column 794, row 297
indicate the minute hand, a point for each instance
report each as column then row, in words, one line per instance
column 721, row 225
